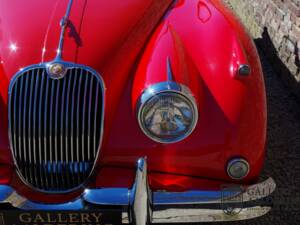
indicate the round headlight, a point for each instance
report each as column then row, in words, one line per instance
column 168, row 116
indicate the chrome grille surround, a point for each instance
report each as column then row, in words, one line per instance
column 53, row 135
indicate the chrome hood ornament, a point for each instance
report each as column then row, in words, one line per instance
column 57, row 68
column 63, row 23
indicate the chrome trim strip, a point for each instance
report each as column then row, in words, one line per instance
column 62, row 124
column 19, row 117
column 83, row 115
column 33, row 177
column 78, row 121
column 169, row 70
column 89, row 119
column 9, row 195
column 206, row 215
column 26, row 169
column 140, row 208
column 184, row 198
column 45, row 129
column 40, row 128
column 72, row 118
column 55, row 128
column 77, row 112
column 66, row 116
column 95, row 118
column 35, row 116
column 107, row 196
column 73, row 160
column 67, row 135
column 14, row 115
column 50, row 133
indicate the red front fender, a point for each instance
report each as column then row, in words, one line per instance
column 206, row 45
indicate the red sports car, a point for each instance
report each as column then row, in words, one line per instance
column 132, row 111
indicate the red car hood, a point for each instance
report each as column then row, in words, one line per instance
column 102, row 34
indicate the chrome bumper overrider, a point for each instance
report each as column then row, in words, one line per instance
column 141, row 206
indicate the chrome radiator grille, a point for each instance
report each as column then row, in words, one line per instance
column 55, row 126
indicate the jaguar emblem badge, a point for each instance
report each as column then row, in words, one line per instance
column 56, row 70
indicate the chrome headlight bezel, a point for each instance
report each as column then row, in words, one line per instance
column 172, row 88
column 238, row 162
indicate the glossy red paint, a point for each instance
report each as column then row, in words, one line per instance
column 128, row 44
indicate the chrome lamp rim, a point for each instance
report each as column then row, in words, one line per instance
column 173, row 88
column 232, row 162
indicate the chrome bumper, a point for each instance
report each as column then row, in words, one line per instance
column 141, row 206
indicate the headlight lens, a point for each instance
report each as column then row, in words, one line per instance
column 168, row 117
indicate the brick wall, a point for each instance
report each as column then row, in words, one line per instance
column 275, row 24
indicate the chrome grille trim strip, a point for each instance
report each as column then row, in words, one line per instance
column 29, row 129
column 56, row 135
column 34, row 116
column 72, row 118
column 20, row 124
column 67, row 118
column 45, row 131
column 73, row 160
column 52, row 153
column 89, row 119
column 78, row 128
column 62, row 124
column 66, row 126
column 83, row 121
column 24, row 126
column 40, row 129
column 50, row 136
column 14, row 125
column 95, row 119
column 77, row 125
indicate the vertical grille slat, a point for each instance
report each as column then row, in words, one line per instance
column 56, row 134
column 78, row 116
column 41, row 161
column 20, row 128
column 74, row 160
column 77, row 119
column 34, row 125
column 72, row 119
column 95, row 122
column 45, row 139
column 55, row 126
column 31, row 163
column 89, row 118
column 62, row 124
column 25, row 151
column 14, row 118
column 51, row 166
column 67, row 122
column 84, row 116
